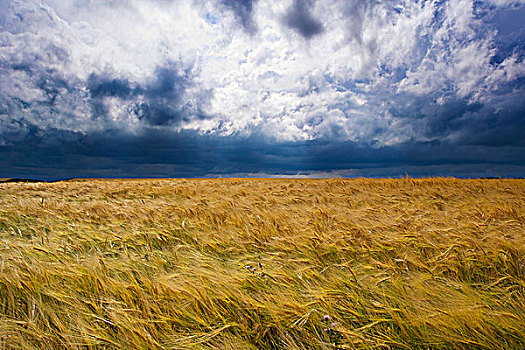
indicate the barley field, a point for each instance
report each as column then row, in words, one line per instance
column 263, row 264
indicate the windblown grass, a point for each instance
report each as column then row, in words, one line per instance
column 162, row 264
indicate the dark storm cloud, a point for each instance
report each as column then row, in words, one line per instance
column 165, row 99
column 510, row 31
column 55, row 122
column 497, row 121
column 101, row 86
column 242, row 9
column 500, row 123
column 55, row 154
column 300, row 19
column 160, row 102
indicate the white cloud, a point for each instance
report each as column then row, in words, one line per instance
column 274, row 81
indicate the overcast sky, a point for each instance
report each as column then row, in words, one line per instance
column 161, row 88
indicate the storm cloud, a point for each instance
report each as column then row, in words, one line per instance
column 242, row 9
column 300, row 18
column 258, row 87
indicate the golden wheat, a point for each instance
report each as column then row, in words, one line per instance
column 257, row 264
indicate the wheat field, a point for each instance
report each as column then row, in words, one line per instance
column 263, row 264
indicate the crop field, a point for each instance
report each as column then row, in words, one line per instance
column 263, row 264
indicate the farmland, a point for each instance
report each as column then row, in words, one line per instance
column 263, row 264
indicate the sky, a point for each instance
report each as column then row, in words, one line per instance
column 255, row 88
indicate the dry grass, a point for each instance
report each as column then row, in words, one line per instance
column 161, row 264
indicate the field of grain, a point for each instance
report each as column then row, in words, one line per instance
column 263, row 264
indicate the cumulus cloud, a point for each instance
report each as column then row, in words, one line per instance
column 377, row 74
